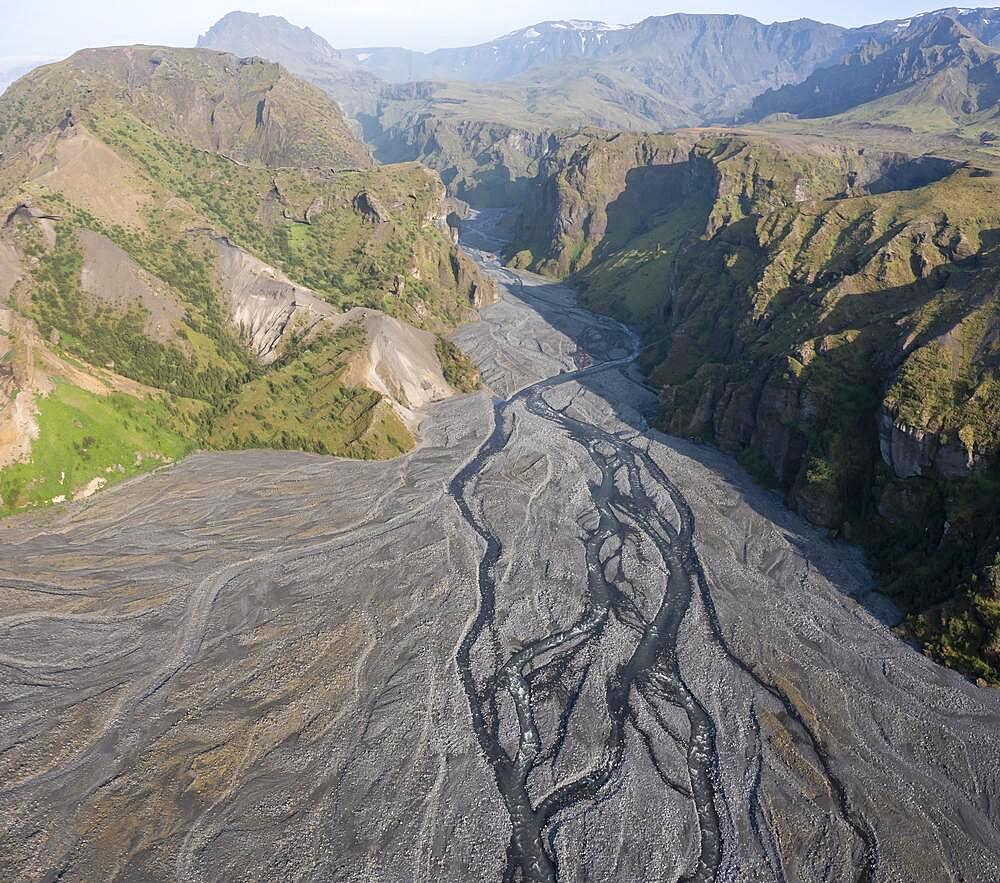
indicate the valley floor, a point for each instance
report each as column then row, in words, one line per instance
column 548, row 644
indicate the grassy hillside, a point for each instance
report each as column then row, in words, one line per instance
column 88, row 441
column 302, row 403
column 306, row 222
column 829, row 314
column 180, row 294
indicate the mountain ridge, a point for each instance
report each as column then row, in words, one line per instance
column 481, row 115
column 194, row 250
column 928, row 48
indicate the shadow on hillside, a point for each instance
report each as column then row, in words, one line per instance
column 636, row 404
column 913, row 173
column 650, row 191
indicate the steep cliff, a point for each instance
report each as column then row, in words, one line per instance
column 488, row 159
column 827, row 312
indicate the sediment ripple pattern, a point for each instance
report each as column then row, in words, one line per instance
column 549, row 645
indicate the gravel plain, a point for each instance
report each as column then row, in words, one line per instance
column 549, row 644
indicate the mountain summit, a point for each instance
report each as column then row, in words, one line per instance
column 300, row 51
column 249, row 109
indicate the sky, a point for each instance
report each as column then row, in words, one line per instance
column 56, row 28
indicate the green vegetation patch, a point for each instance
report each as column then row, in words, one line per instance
column 305, row 222
column 459, row 370
column 302, row 404
column 117, row 339
column 83, row 436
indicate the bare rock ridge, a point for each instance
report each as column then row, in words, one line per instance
column 265, row 305
column 269, row 310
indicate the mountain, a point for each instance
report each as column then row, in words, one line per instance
column 704, row 68
column 828, row 313
column 697, row 57
column 669, row 71
column 931, row 74
column 195, row 251
column 300, row 51
column 735, row 50
column 687, row 68
column 482, row 115
column 982, row 22
column 509, row 56
column 248, row 109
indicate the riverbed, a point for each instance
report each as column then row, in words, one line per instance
column 549, row 644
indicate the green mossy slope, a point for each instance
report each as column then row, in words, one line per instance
column 825, row 312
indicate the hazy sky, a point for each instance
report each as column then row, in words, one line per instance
column 58, row 27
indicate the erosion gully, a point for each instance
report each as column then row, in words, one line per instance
column 624, row 500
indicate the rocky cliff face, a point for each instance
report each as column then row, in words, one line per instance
column 490, row 164
column 829, row 313
column 910, row 451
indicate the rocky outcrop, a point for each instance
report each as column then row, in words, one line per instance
column 912, row 452
column 775, row 430
column 369, row 208
column 265, row 305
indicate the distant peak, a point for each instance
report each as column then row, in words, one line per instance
column 249, row 33
column 572, row 24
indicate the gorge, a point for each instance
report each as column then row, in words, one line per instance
column 644, row 670
column 574, row 457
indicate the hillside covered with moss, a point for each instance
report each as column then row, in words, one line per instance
column 826, row 311
column 195, row 251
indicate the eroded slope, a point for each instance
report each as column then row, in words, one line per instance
column 136, row 246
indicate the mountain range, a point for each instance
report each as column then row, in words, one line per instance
column 574, row 457
column 933, row 74
column 481, row 115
